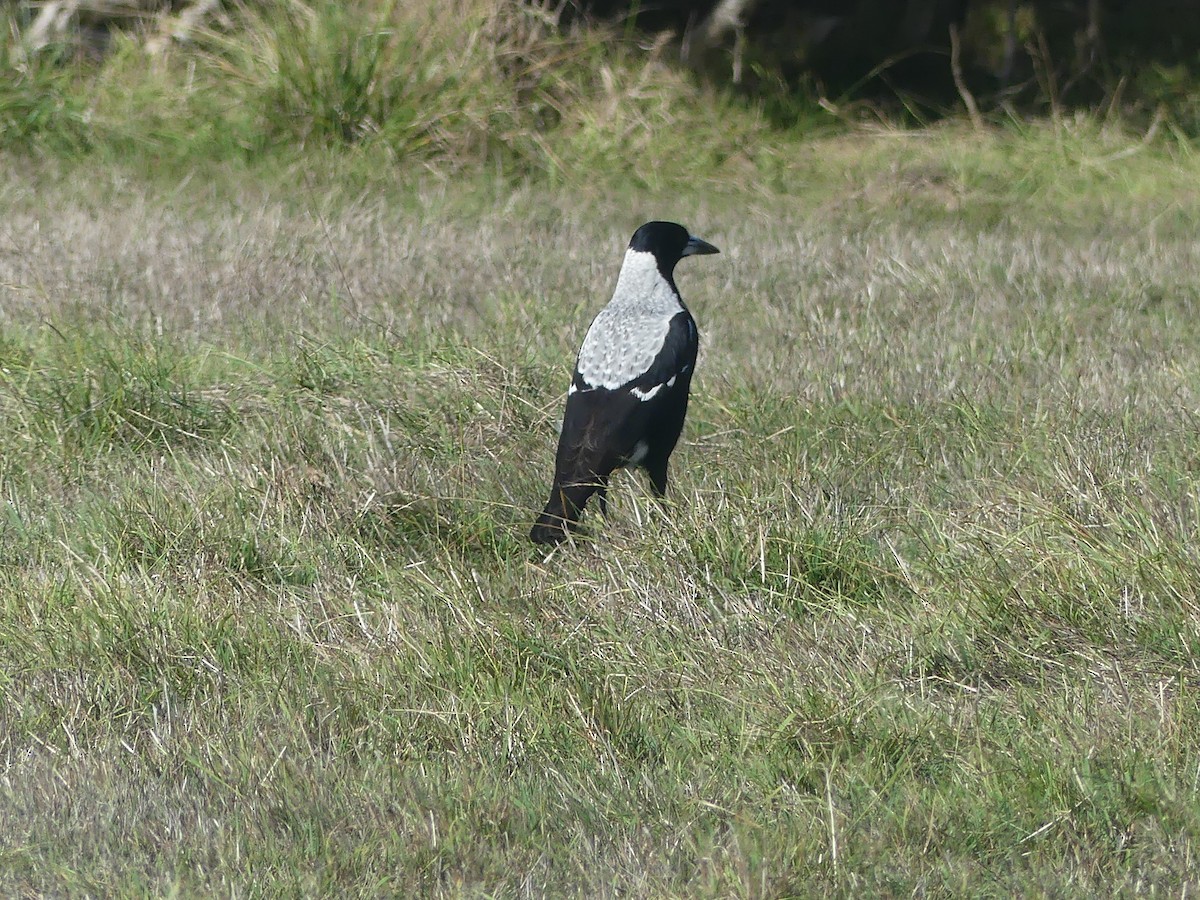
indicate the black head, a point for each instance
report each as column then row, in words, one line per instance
column 669, row 243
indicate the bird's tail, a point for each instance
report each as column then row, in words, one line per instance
column 562, row 512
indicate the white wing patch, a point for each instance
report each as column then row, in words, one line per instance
column 628, row 334
column 646, row 395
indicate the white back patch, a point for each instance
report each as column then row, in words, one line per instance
column 629, row 332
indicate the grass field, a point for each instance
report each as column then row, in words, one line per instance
column 922, row 619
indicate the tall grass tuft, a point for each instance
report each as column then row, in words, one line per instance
column 41, row 107
column 454, row 86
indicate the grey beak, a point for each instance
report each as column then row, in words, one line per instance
column 695, row 246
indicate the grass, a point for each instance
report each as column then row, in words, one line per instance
column 922, row 617
column 456, row 87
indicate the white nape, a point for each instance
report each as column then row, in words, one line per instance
column 627, row 335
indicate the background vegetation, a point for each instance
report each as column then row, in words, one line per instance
column 539, row 88
column 288, row 300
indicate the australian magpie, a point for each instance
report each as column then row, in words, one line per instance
column 629, row 394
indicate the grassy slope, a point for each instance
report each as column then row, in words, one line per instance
column 923, row 618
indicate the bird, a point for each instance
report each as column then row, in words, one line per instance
column 628, row 395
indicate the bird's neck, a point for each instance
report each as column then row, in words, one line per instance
column 642, row 284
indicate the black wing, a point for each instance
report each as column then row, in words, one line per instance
column 605, row 429
column 677, row 357
column 602, row 428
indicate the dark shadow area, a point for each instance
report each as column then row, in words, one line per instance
column 927, row 57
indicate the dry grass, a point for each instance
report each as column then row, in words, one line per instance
column 923, row 618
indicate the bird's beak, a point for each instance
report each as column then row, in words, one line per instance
column 696, row 246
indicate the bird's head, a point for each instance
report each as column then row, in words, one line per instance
column 669, row 243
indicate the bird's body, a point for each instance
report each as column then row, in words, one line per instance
column 629, row 393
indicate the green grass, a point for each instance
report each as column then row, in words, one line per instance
column 455, row 88
column 920, row 618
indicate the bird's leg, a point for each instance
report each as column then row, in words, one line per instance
column 658, row 478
